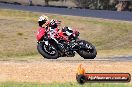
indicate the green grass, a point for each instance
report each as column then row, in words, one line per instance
column 24, row 84
column 18, row 33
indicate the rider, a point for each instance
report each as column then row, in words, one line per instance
column 49, row 25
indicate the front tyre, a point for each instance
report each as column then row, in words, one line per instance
column 48, row 52
column 88, row 51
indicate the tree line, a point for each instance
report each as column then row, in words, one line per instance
column 119, row 5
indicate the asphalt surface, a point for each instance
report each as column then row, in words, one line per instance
column 124, row 15
column 105, row 59
column 78, row 59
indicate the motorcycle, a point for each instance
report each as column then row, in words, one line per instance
column 54, row 44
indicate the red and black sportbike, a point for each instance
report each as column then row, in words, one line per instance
column 54, row 43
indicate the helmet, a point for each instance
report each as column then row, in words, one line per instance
column 42, row 20
column 68, row 31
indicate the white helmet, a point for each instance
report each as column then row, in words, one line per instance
column 43, row 18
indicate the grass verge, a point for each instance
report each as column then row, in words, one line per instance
column 18, row 84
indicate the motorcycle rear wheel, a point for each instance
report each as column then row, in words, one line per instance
column 45, row 54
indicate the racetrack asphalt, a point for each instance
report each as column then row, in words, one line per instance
column 124, row 15
column 77, row 59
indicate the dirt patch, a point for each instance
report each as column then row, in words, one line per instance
column 55, row 71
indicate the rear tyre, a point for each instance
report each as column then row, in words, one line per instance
column 49, row 54
column 89, row 53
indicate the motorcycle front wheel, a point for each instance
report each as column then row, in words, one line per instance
column 89, row 52
column 47, row 51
